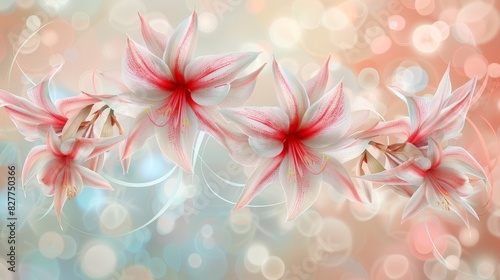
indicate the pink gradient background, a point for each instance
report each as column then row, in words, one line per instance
column 372, row 44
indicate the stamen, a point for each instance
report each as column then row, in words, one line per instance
column 445, row 204
column 71, row 192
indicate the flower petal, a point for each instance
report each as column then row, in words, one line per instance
column 73, row 124
column 458, row 158
column 239, row 149
column 215, row 70
column 176, row 139
column 315, row 86
column 141, row 131
column 92, row 179
column 53, row 143
column 418, row 107
column 210, row 96
column 180, row 47
column 266, row 147
column 407, row 173
column 27, row 117
column 327, row 120
column 40, row 94
column 301, row 191
column 291, row 94
column 102, row 145
column 434, row 152
column 241, row 89
column 266, row 173
column 399, row 128
column 262, row 122
column 71, row 106
column 35, row 160
column 443, row 92
column 155, row 41
column 210, row 120
column 145, row 74
column 338, row 178
column 417, row 203
column 67, row 181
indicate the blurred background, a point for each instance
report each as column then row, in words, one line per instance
column 162, row 224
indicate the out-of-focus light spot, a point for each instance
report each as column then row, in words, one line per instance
column 396, row 22
column 380, row 44
column 207, row 231
column 241, row 220
column 335, row 237
column 494, row 70
column 70, row 248
column 485, row 270
column 412, row 79
column 309, row 70
column 195, row 260
column 426, row 38
column 161, row 25
column 80, row 20
column 157, row 268
column 481, row 18
column 51, row 244
column 452, row 251
column 396, row 266
column 113, row 216
column 335, row 19
column 25, row 4
column 476, row 65
column 99, row 261
column 373, row 32
column 443, row 28
column 273, row 268
column 368, row 78
column 56, row 59
column 123, row 15
column 309, row 12
column 257, row 254
column 452, row 262
column 424, row 7
column 49, row 37
column 284, row 32
column 469, row 237
column 33, row 22
column 309, row 224
column 433, row 269
column 207, row 22
column 165, row 223
column 255, row 6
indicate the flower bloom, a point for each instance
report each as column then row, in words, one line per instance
column 181, row 94
column 440, row 178
column 291, row 141
column 33, row 117
column 441, row 117
column 58, row 166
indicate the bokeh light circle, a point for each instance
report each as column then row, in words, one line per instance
column 284, row 32
column 51, row 244
column 273, row 268
column 396, row 266
column 99, row 261
column 426, row 38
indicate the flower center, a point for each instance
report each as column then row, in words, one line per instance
column 301, row 158
column 71, row 192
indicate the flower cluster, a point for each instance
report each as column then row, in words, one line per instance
column 298, row 144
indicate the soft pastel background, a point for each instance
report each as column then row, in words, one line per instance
column 157, row 226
